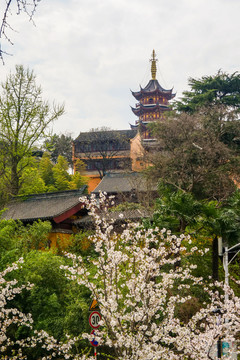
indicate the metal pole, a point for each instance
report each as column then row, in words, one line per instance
column 219, row 348
column 226, row 262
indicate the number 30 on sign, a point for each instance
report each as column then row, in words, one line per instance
column 94, row 319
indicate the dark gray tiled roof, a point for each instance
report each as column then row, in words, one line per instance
column 117, row 216
column 154, row 85
column 42, row 206
column 124, row 182
column 151, row 87
column 106, row 134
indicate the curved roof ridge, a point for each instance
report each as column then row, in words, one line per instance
column 154, row 85
column 143, row 107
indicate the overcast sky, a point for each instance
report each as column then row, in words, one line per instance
column 88, row 54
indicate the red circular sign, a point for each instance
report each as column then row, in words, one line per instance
column 93, row 342
column 94, row 319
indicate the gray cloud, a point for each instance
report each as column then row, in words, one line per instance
column 89, row 54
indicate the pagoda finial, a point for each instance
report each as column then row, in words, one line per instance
column 153, row 66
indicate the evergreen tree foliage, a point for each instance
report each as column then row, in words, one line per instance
column 176, row 210
column 60, row 174
column 219, row 89
column 45, row 176
column 46, row 169
column 59, row 145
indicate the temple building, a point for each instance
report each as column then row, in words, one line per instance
column 103, row 151
column 119, row 151
column 153, row 102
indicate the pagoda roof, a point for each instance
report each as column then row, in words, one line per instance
column 144, row 108
column 151, row 88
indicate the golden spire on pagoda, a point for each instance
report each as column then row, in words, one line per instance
column 153, row 66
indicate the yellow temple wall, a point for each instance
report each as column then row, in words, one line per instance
column 93, row 182
column 137, row 153
column 59, row 240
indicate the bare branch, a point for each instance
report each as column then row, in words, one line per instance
column 21, row 6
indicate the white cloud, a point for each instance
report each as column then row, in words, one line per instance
column 88, row 54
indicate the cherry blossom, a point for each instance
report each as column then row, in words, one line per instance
column 140, row 287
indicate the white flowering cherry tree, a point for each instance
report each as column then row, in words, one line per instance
column 140, row 288
column 9, row 316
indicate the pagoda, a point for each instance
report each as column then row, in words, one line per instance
column 153, row 102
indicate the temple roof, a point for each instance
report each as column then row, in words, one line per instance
column 145, row 108
column 116, row 217
column 47, row 206
column 152, row 88
column 124, row 182
column 104, row 135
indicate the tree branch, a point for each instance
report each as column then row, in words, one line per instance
column 26, row 6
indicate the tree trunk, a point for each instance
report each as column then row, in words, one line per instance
column 14, row 179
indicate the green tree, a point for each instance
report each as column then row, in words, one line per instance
column 17, row 240
column 56, row 306
column 47, row 298
column 221, row 220
column 8, row 242
column 176, row 210
column 60, row 174
column 205, row 220
column 191, row 156
column 219, row 89
column 59, row 145
column 56, row 177
column 32, row 182
column 77, row 180
column 199, row 148
column 221, row 92
column 24, row 120
column 63, row 180
column 46, row 170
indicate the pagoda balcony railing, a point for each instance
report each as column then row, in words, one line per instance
column 150, row 104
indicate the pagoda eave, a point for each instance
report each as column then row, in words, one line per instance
column 141, row 94
column 153, row 88
column 137, row 94
column 141, row 110
column 134, row 126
